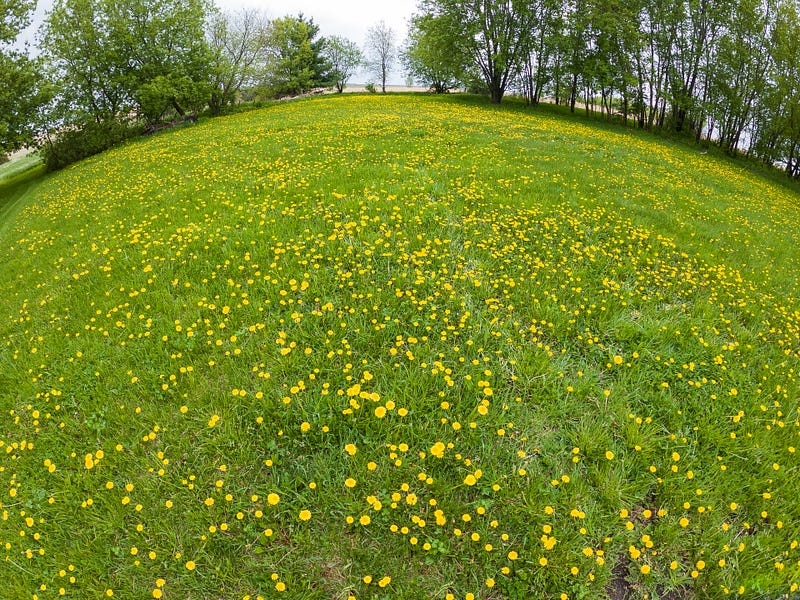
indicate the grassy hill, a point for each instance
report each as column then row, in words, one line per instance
column 400, row 347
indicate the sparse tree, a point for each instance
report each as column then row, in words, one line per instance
column 344, row 57
column 381, row 51
column 238, row 44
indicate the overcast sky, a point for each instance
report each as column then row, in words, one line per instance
column 348, row 18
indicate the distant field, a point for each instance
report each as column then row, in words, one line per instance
column 372, row 346
column 16, row 166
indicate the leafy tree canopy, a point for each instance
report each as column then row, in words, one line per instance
column 296, row 61
column 344, row 57
column 23, row 92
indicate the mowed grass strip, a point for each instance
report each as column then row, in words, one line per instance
column 400, row 347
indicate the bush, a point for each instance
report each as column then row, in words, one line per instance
column 88, row 139
column 370, row 87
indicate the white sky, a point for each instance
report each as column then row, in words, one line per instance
column 348, row 18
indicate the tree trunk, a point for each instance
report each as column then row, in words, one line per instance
column 496, row 94
column 573, row 97
column 178, row 108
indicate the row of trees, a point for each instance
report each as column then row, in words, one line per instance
column 105, row 65
column 723, row 70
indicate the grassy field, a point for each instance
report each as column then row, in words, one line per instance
column 400, row 347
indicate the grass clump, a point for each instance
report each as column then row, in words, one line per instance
column 400, row 347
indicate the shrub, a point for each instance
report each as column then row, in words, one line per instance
column 370, row 87
column 88, row 139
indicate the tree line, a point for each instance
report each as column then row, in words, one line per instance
column 721, row 70
column 107, row 70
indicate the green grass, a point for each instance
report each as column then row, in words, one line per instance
column 18, row 180
column 493, row 353
column 18, row 166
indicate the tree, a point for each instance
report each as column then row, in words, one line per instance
column 776, row 136
column 737, row 71
column 16, row 15
column 23, row 91
column 112, row 58
column 540, row 48
column 164, row 41
column 381, row 51
column 295, row 62
column 428, row 56
column 344, row 57
column 238, row 45
column 488, row 33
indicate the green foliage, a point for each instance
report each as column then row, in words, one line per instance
column 108, row 55
column 344, row 57
column 238, row 43
column 90, row 138
column 14, row 16
column 23, row 94
column 428, row 55
column 488, row 35
column 178, row 93
column 23, row 91
column 296, row 63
